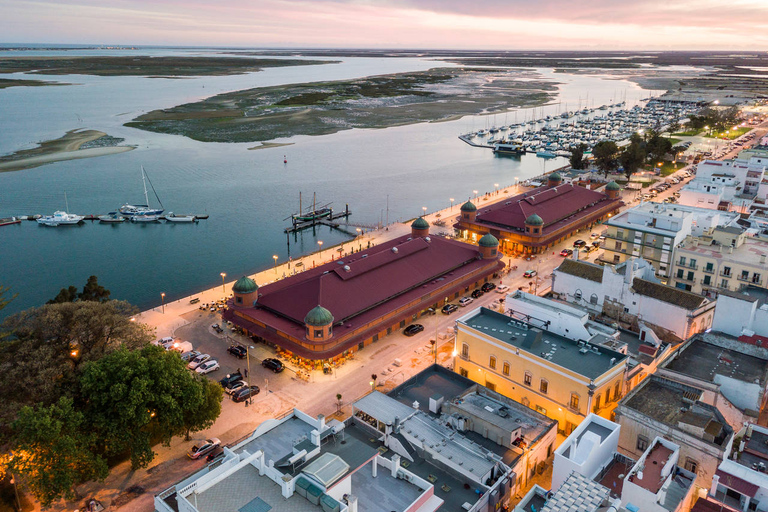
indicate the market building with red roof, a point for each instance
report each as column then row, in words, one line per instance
column 536, row 220
column 340, row 307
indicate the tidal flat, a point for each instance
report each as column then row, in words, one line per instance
column 322, row 108
column 146, row 66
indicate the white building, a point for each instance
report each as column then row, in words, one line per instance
column 742, row 314
column 743, row 174
column 653, row 230
column 630, row 294
column 741, row 480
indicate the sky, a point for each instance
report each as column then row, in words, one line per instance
column 405, row 24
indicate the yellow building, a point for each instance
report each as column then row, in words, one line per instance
column 724, row 258
column 556, row 376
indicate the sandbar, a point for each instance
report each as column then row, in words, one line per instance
column 67, row 147
column 267, row 145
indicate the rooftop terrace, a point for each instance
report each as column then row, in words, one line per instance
column 704, row 360
column 577, row 494
column 559, row 350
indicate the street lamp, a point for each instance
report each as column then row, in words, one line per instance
column 496, row 186
column 274, row 257
column 320, row 243
column 223, row 275
column 162, row 301
column 452, row 204
column 248, row 377
column 517, row 184
column 475, row 192
column 424, row 209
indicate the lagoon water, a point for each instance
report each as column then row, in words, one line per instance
column 247, row 194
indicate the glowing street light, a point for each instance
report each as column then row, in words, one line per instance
column 223, row 275
column 274, row 257
column 475, row 192
column 424, row 209
column 452, row 204
column 496, row 186
column 320, row 243
column 162, row 301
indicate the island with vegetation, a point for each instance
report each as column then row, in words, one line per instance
column 322, row 108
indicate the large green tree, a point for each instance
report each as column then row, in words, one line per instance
column 52, row 451
column 577, row 160
column 92, row 291
column 657, row 148
column 606, row 154
column 632, row 157
column 135, row 397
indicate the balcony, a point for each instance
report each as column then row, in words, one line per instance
column 705, row 282
column 743, row 278
column 707, row 270
column 725, row 274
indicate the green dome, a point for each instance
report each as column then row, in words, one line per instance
column 534, row 220
column 555, row 177
column 612, row 186
column 468, row 207
column 488, row 240
column 245, row 285
column 318, row 317
column 420, row 223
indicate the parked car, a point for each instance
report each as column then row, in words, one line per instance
column 579, row 243
column 245, row 393
column 235, row 387
column 207, row 367
column 193, row 364
column 238, row 351
column 198, row 451
column 413, row 329
column 502, row 288
column 476, row 294
column 195, row 300
column 530, row 273
column 465, row 301
column 273, row 364
column 449, row 308
column 230, row 379
column 488, row 287
column 566, row 252
column 188, row 356
column 594, row 235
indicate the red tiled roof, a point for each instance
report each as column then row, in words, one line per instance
column 737, row 484
column 557, row 206
column 368, row 278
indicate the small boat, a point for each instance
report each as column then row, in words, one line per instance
column 131, row 210
column 545, row 153
column 60, row 219
column 145, row 217
column 10, row 220
column 508, row 148
column 313, row 215
column 111, row 217
column 171, row 217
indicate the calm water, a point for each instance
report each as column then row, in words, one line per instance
column 248, row 194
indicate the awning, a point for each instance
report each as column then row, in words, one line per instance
column 737, row 484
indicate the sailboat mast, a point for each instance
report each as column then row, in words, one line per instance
column 66, row 203
column 144, row 181
column 300, row 209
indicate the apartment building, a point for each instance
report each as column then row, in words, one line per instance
column 653, row 230
column 741, row 481
column 723, row 258
column 564, row 379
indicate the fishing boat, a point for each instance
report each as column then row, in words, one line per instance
column 10, row 220
column 61, row 218
column 111, row 218
column 132, row 210
column 312, row 214
column 171, row 217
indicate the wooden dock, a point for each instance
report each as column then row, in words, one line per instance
column 468, row 140
column 325, row 221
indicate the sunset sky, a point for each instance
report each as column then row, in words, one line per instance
column 453, row 24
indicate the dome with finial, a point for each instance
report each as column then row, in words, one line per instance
column 488, row 240
column 613, row 186
column 534, row 220
column 245, row 285
column 420, row 223
column 318, row 317
column 468, row 207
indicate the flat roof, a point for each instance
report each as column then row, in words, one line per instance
column 383, row 408
column 755, row 450
column 280, row 440
column 750, row 252
column 577, row 494
column 704, row 361
column 435, row 380
column 382, row 493
column 557, row 349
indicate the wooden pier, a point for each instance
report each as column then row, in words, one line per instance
column 468, row 140
column 325, row 221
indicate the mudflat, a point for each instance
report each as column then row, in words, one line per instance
column 145, row 65
column 74, row 144
column 321, row 108
column 11, row 82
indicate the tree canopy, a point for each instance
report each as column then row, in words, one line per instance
column 606, row 154
column 92, row 291
column 577, row 160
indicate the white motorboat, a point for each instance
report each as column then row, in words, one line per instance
column 60, row 219
column 171, row 217
column 144, row 217
column 132, row 210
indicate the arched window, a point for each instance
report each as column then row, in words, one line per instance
column 528, row 378
column 593, row 299
column 464, row 350
column 574, row 401
column 577, row 295
column 544, row 386
column 492, row 363
column 505, row 368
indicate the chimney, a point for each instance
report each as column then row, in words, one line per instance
column 395, row 465
column 351, row 503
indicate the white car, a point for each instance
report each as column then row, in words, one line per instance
column 193, row 364
column 207, row 367
column 235, row 387
column 502, row 288
column 465, row 301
